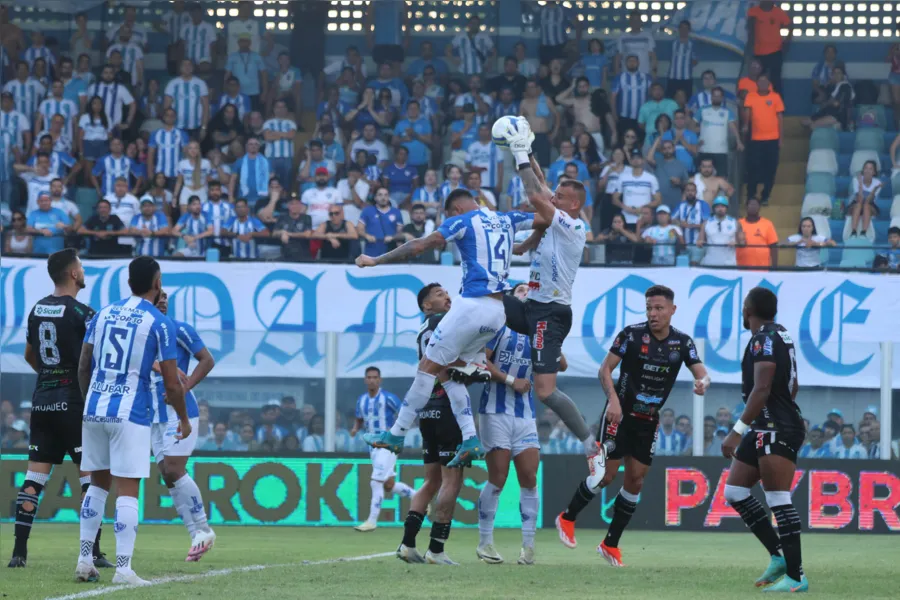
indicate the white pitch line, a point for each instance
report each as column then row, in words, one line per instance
column 111, row 589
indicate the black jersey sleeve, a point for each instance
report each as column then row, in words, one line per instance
column 620, row 344
column 82, row 315
column 425, row 332
column 31, row 331
column 689, row 351
column 762, row 348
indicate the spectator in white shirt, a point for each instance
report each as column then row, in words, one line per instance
column 138, row 32
column 864, row 188
column 354, row 193
column 638, row 43
column 370, row 144
column 475, row 96
column 636, row 188
column 809, row 244
column 123, row 205
column 716, row 122
column 320, row 198
column 132, row 57
column 245, row 24
column 848, row 446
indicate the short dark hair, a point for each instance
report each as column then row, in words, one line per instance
column 708, row 72
column 411, row 102
column 894, row 230
column 685, row 22
column 417, row 206
column 679, row 110
column 233, row 79
column 763, row 303
column 316, row 143
column 660, row 290
column 239, row 200
column 424, row 292
column 667, row 409
column 848, row 426
column 59, row 262
column 454, row 196
column 373, row 368
column 141, row 274
column 214, row 183
column 582, row 78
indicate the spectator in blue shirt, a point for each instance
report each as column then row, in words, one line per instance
column 363, row 114
column 685, row 140
column 400, row 177
column 269, row 430
column 331, row 149
column 414, row 133
column 566, row 156
column 821, row 74
column 890, row 257
column 815, row 446
column 334, row 106
column 380, row 225
column 593, row 65
column 48, row 226
column 250, row 70
column 669, row 441
column 386, row 80
column 220, row 442
column 427, row 59
column 464, row 131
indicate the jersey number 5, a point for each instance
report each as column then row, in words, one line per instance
column 116, row 348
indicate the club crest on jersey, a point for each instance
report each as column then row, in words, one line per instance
column 645, row 338
column 674, row 356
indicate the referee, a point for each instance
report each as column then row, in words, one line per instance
column 56, row 328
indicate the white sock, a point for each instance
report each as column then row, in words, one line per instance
column 377, row 497
column 528, row 506
column 92, row 508
column 487, row 508
column 126, row 531
column 462, row 407
column 403, row 489
column 189, row 504
column 416, row 398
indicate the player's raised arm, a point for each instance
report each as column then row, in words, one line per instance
column 404, row 252
column 532, row 177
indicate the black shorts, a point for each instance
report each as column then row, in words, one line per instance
column 546, row 323
column 440, row 435
column 631, row 437
column 56, row 427
column 757, row 444
column 388, row 53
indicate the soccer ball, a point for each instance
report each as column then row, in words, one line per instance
column 503, row 127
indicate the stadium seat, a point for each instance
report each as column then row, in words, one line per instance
column 871, row 233
column 860, row 157
column 820, row 183
column 857, row 254
column 846, row 140
column 889, row 139
column 822, row 161
column 884, row 207
column 824, row 138
column 870, row 116
column 895, row 207
column 832, row 256
column 816, row 204
column 843, row 161
column 836, row 227
column 869, row 139
column 822, row 225
column 842, row 186
column 880, row 229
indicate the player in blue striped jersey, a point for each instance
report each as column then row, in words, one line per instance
column 172, row 453
column 279, row 133
column 189, row 96
column 376, row 411
column 484, row 239
column 507, row 420
column 121, row 344
column 57, row 104
column 669, row 441
column 194, row 229
column 629, row 93
column 150, row 228
column 13, row 122
column 681, row 63
column 198, row 37
column 165, row 147
column 555, row 20
column 506, row 105
column 244, row 228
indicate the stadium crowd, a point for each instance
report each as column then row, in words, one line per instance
column 99, row 153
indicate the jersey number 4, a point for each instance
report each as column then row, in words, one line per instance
column 115, row 348
column 498, row 256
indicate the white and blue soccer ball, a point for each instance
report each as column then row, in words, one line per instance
column 504, row 127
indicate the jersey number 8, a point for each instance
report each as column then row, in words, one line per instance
column 49, row 351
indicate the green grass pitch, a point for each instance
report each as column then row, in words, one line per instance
column 297, row 565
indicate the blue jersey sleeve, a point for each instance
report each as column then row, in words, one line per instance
column 164, row 332
column 257, row 224
column 454, row 228
column 98, row 168
column 89, row 332
column 393, row 402
column 189, row 337
column 183, row 219
column 521, row 221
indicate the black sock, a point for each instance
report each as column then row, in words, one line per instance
column 789, row 532
column 439, row 534
column 582, row 497
column 411, row 528
column 623, row 509
column 25, row 518
column 97, row 552
column 756, row 519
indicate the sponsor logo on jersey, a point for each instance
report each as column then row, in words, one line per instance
column 49, row 312
column 768, row 350
column 645, row 349
column 648, row 399
column 430, row 414
column 540, row 328
column 486, row 329
column 673, row 342
column 657, row 368
column 100, row 419
column 110, row 388
column 56, row 406
column 612, row 429
column 786, row 337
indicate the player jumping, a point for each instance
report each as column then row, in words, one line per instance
column 485, row 240
column 546, row 316
column 440, row 439
column 376, row 411
column 56, row 327
column 121, row 344
column 171, row 453
column 768, row 453
column 651, row 354
column 510, row 434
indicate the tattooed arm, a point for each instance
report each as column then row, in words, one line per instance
column 405, row 252
column 531, row 243
column 613, row 406
column 538, row 194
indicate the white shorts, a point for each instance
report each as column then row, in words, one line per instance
column 163, row 442
column 120, row 448
column 383, row 463
column 506, row 432
column 467, row 327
